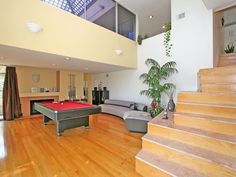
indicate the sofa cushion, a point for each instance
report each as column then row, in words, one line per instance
column 139, row 115
column 142, row 107
column 134, row 106
column 113, row 109
column 119, row 103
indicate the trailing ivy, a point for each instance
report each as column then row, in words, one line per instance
column 167, row 36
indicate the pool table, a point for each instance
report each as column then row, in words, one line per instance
column 67, row 114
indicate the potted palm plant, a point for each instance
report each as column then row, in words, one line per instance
column 153, row 79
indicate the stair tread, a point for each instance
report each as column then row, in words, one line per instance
column 209, row 104
column 207, row 93
column 217, row 69
column 211, row 118
column 171, row 168
column 208, row 97
column 221, row 84
column 169, row 123
column 193, row 151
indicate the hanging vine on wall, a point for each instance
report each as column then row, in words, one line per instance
column 167, row 42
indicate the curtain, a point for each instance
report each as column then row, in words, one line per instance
column 11, row 98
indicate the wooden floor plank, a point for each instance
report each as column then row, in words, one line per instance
column 29, row 148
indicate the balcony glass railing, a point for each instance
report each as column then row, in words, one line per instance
column 106, row 13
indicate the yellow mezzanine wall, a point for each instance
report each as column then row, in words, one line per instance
column 63, row 34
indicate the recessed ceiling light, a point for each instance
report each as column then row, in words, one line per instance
column 67, row 58
column 164, row 27
column 151, row 16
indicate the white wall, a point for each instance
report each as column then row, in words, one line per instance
column 192, row 39
column 125, row 85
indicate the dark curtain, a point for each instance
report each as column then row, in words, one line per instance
column 11, row 98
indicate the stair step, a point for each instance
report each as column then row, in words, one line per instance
column 149, row 164
column 190, row 156
column 227, row 62
column 215, row 142
column 219, row 88
column 218, row 71
column 210, row 98
column 212, row 79
column 207, row 109
column 214, row 124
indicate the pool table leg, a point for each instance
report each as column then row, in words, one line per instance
column 65, row 124
column 86, row 123
column 59, row 128
column 46, row 120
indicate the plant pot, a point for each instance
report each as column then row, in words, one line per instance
column 171, row 105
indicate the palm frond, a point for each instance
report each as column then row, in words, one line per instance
column 168, row 72
column 168, row 86
column 170, row 64
column 143, row 76
column 146, row 93
column 151, row 62
column 154, row 76
column 168, row 69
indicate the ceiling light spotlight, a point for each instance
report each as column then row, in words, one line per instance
column 151, row 16
column 34, row 27
column 67, row 58
column 163, row 27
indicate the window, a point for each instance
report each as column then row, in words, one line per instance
column 126, row 23
column 101, row 12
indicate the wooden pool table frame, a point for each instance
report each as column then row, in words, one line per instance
column 67, row 119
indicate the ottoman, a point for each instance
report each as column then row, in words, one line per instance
column 136, row 121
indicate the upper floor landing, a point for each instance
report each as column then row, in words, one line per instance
column 63, row 34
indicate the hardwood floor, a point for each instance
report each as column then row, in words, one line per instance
column 30, row 149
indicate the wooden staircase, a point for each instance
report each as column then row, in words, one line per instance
column 199, row 139
column 227, row 59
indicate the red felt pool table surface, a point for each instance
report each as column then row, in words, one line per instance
column 66, row 105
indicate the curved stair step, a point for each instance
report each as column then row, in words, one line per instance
column 208, row 98
column 218, row 71
column 189, row 155
column 218, row 88
column 149, row 164
column 215, row 142
column 207, row 109
column 208, row 123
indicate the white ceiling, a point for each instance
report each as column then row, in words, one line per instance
column 160, row 9
column 21, row 57
column 218, row 4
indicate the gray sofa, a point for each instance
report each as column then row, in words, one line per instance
column 134, row 114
